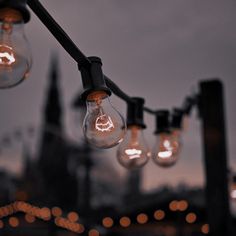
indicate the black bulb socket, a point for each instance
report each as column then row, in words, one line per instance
column 177, row 118
column 93, row 78
column 19, row 5
column 135, row 112
column 162, row 122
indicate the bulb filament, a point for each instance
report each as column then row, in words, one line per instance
column 167, row 144
column 165, row 154
column 133, row 153
column 104, row 123
column 7, row 57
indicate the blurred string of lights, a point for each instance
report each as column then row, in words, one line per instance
column 103, row 126
column 33, row 212
column 71, row 221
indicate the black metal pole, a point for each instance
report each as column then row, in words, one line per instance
column 211, row 105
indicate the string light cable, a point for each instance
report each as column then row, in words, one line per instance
column 103, row 125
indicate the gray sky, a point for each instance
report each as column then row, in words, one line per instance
column 155, row 49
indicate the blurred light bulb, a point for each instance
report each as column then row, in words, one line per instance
column 15, row 55
column 133, row 152
column 103, row 125
column 232, row 187
column 233, row 194
column 164, row 153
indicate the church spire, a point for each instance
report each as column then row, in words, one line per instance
column 53, row 109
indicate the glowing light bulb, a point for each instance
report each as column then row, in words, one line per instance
column 103, row 125
column 233, row 194
column 15, row 55
column 164, row 153
column 133, row 152
column 232, row 187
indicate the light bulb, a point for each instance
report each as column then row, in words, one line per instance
column 232, row 187
column 15, row 55
column 133, row 152
column 233, row 193
column 103, row 125
column 164, row 153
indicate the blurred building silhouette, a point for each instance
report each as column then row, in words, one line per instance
column 7, row 187
column 59, row 185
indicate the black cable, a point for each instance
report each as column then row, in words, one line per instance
column 121, row 94
column 58, row 32
column 78, row 56
column 150, row 111
column 117, row 91
column 189, row 103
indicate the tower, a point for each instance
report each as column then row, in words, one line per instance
column 59, row 185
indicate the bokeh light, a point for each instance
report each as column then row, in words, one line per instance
column 29, row 218
column 93, row 232
column 125, row 221
column 159, row 215
column 56, row 211
column 14, row 222
column 191, row 218
column 142, row 218
column 73, row 216
column 107, row 222
column 205, row 229
column 173, row 205
column 182, row 205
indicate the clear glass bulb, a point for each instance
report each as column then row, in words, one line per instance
column 165, row 153
column 103, row 125
column 15, row 55
column 232, row 187
column 133, row 152
column 233, row 192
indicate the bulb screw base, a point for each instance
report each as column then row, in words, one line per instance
column 135, row 112
column 162, row 122
column 93, row 78
column 19, row 5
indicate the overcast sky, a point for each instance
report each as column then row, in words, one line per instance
column 155, row 49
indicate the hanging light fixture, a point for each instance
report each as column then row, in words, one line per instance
column 163, row 152
column 103, row 125
column 15, row 55
column 133, row 152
